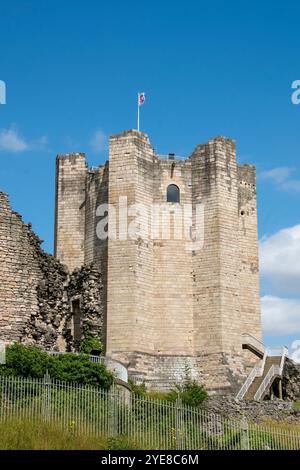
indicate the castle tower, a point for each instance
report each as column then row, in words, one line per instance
column 181, row 262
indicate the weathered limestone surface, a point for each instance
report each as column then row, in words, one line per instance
column 86, row 287
column 258, row 412
column 37, row 292
column 70, row 209
column 168, row 305
column 158, row 302
column 33, row 307
column 291, row 380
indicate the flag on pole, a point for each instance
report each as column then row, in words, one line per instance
column 142, row 98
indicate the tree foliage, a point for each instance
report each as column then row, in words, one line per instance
column 90, row 343
column 30, row 361
column 190, row 393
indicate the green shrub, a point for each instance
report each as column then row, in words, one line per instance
column 190, row 393
column 139, row 390
column 26, row 361
column 78, row 368
column 30, row 361
column 90, row 343
column 193, row 394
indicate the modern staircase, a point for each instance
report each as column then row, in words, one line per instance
column 253, row 344
column 262, row 376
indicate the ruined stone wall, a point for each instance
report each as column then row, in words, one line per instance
column 86, row 287
column 254, row 411
column 33, row 306
column 291, row 380
column 36, row 290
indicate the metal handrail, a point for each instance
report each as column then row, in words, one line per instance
column 257, row 371
column 250, row 339
column 96, row 359
column 116, row 367
column 253, row 374
column 284, row 355
column 275, row 370
column 263, row 362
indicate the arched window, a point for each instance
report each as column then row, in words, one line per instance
column 173, row 193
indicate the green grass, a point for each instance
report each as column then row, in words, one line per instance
column 296, row 405
column 281, row 426
column 21, row 434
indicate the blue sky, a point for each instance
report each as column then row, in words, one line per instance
column 72, row 71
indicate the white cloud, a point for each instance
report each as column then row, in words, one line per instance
column 11, row 141
column 294, row 350
column 39, row 144
column 98, row 141
column 71, row 143
column 282, row 177
column 280, row 316
column 280, row 259
column 280, row 268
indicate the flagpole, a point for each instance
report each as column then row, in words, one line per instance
column 138, row 120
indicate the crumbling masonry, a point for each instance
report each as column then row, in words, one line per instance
column 37, row 293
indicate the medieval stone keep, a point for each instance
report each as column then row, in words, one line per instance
column 170, row 305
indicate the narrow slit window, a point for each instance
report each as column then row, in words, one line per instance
column 173, row 193
column 76, row 321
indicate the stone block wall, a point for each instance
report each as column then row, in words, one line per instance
column 71, row 172
column 166, row 303
column 172, row 274
column 216, row 286
column 179, row 305
column 130, row 263
column 248, row 257
column 33, row 306
column 37, row 291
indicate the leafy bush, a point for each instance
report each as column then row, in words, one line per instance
column 25, row 361
column 78, row 368
column 190, row 393
column 139, row 390
column 30, row 361
column 90, row 343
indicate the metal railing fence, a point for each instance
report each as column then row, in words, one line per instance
column 149, row 422
column 118, row 369
column 258, row 371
